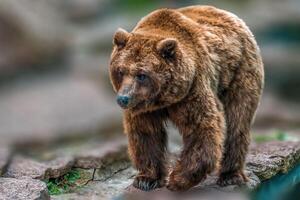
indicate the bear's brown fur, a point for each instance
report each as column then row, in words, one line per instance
column 199, row 67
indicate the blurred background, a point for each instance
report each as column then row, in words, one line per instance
column 56, row 99
column 54, row 58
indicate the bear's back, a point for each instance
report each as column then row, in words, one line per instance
column 186, row 22
column 212, row 17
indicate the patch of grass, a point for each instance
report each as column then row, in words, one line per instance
column 276, row 136
column 64, row 184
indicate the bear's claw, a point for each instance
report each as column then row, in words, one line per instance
column 239, row 179
column 146, row 183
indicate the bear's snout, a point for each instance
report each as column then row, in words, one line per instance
column 123, row 100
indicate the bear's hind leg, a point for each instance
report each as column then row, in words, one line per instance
column 240, row 103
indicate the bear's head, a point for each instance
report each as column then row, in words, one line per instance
column 149, row 72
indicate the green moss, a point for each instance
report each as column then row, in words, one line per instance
column 276, row 136
column 64, row 184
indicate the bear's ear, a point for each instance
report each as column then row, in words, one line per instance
column 167, row 48
column 120, row 38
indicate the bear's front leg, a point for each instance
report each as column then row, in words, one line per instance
column 147, row 147
column 201, row 123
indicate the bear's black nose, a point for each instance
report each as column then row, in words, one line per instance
column 123, row 100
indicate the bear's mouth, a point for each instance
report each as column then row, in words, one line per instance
column 128, row 107
column 137, row 106
column 142, row 107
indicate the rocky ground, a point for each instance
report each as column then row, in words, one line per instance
column 91, row 169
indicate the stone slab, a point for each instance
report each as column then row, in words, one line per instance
column 23, row 189
column 27, row 167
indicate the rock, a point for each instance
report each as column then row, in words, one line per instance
column 269, row 14
column 89, row 155
column 210, row 182
column 74, row 196
column 4, row 158
column 281, row 69
column 78, row 10
column 194, row 194
column 95, row 64
column 26, row 38
column 285, row 115
column 105, row 189
column 108, row 171
column 23, row 189
column 58, row 167
column 60, row 107
column 102, row 155
column 27, row 167
column 107, row 157
column 98, row 35
column 268, row 159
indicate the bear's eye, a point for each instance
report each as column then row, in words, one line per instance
column 141, row 77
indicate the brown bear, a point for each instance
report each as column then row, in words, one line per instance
column 200, row 68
